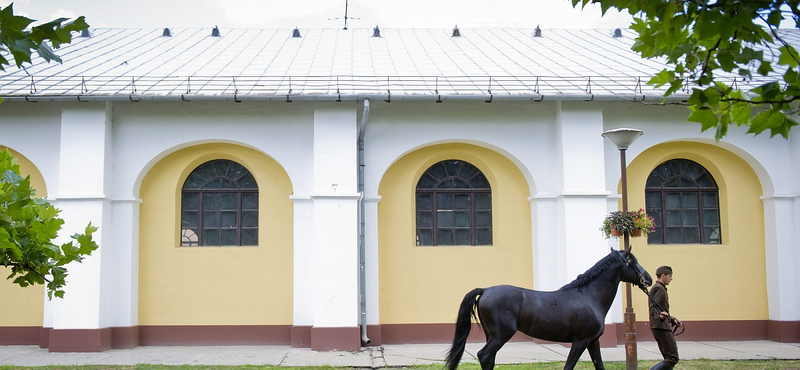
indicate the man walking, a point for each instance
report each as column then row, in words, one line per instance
column 661, row 322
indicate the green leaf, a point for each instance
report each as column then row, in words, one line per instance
column 704, row 116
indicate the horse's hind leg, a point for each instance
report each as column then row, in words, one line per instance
column 575, row 353
column 488, row 353
column 594, row 352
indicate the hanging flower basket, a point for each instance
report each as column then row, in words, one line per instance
column 635, row 223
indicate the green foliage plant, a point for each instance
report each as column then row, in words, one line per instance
column 701, row 39
column 28, row 226
column 627, row 222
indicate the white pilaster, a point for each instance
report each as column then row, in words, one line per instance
column 84, row 173
column 782, row 257
column 335, row 216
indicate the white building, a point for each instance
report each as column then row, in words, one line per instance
column 253, row 137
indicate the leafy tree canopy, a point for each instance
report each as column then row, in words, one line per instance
column 702, row 39
column 27, row 227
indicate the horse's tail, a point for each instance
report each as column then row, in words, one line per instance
column 463, row 324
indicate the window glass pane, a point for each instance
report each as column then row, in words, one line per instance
column 249, row 236
column 446, row 184
column 229, row 201
column 655, row 237
column 693, row 171
column 689, row 200
column 710, row 218
column 189, row 238
column 483, row 237
column 426, row 182
column 214, row 184
column 462, row 219
column 211, row 201
column 483, row 219
column 444, row 201
column 211, row 237
column 674, row 235
column 248, row 182
column 444, row 218
column 467, row 171
column 653, row 199
column 249, row 218
column 227, row 184
column 672, row 182
column 451, row 167
column 664, row 170
column 654, row 181
column 672, row 200
column 236, row 171
column 250, row 201
column 205, row 171
column 194, row 181
column 424, row 219
column 462, row 201
column 220, row 167
column 437, row 171
column 210, row 219
column 190, row 201
column 424, row 237
column 190, row 219
column 463, row 237
column 480, row 182
column 691, row 217
column 712, row 235
column 691, row 235
column 460, row 184
column 228, row 219
column 483, row 201
column 228, row 237
column 709, row 200
column 674, row 218
column 445, row 236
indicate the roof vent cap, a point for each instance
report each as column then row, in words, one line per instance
column 537, row 32
column 456, row 32
column 617, row 33
column 376, row 32
column 167, row 33
column 85, row 33
column 296, row 32
column 215, row 32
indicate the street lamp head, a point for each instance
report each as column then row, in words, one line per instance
column 622, row 137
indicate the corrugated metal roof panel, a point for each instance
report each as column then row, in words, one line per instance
column 333, row 61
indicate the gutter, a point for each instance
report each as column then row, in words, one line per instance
column 353, row 97
column 362, row 248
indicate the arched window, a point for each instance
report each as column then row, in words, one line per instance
column 219, row 206
column 683, row 199
column 454, row 205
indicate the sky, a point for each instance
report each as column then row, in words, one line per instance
column 288, row 14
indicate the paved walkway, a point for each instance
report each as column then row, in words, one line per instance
column 378, row 357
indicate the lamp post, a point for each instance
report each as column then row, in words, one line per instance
column 622, row 138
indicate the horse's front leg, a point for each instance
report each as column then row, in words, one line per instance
column 578, row 346
column 594, row 352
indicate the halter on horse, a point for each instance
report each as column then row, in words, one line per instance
column 575, row 313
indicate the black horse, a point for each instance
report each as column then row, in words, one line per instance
column 575, row 313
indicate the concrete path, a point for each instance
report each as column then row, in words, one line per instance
column 379, row 357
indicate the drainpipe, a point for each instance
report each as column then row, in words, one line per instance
column 362, row 253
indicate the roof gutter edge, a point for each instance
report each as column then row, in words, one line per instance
column 354, row 97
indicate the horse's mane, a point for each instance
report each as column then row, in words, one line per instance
column 585, row 278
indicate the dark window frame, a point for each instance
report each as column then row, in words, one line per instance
column 219, row 181
column 455, row 188
column 683, row 198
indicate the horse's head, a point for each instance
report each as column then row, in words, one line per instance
column 633, row 272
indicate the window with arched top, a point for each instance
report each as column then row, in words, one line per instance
column 683, row 199
column 219, row 206
column 454, row 205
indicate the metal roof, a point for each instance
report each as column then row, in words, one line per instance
column 341, row 64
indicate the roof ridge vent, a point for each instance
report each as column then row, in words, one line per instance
column 537, row 32
column 86, row 33
column 617, row 33
column 215, row 32
column 167, row 33
column 456, row 32
column 376, row 32
column 296, row 32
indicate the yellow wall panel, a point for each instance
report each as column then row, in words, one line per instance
column 214, row 285
column 426, row 284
